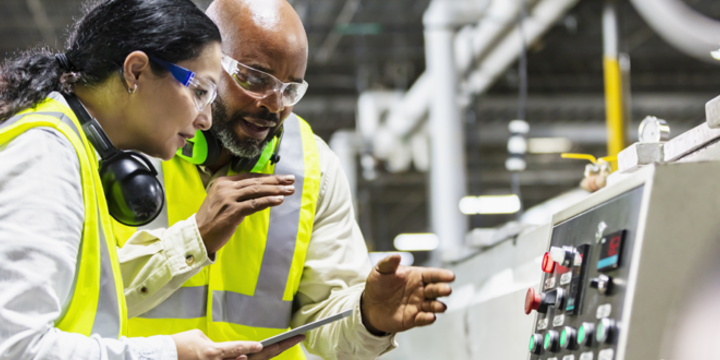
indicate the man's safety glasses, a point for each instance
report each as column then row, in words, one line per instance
column 260, row 84
column 204, row 91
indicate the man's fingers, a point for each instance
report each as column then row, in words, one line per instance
column 388, row 265
column 423, row 318
column 233, row 349
column 433, row 306
column 258, row 191
column 434, row 275
column 434, row 291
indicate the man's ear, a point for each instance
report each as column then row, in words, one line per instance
column 135, row 68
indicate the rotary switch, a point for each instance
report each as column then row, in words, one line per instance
column 541, row 301
column 565, row 256
column 602, row 283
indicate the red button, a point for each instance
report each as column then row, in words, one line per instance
column 548, row 265
column 532, row 301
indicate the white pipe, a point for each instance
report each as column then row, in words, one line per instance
column 448, row 175
column 371, row 105
column 610, row 31
column 543, row 16
column 681, row 26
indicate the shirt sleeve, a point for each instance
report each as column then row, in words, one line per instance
column 41, row 221
column 336, row 267
column 155, row 263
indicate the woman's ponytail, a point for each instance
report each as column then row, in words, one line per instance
column 27, row 80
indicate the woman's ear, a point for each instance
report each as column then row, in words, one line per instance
column 135, row 69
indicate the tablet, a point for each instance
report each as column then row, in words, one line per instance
column 305, row 328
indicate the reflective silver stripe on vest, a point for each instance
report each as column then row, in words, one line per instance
column 266, row 309
column 107, row 316
column 162, row 220
column 185, row 303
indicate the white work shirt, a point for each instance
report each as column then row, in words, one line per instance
column 41, row 220
column 336, row 267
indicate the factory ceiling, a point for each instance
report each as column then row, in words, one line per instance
column 357, row 45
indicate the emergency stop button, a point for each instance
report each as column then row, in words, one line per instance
column 532, row 301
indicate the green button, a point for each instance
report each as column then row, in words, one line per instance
column 547, row 340
column 600, row 332
column 581, row 335
column 532, row 343
column 563, row 338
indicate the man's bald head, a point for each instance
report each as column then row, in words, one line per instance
column 266, row 35
column 272, row 26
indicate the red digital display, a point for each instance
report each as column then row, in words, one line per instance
column 611, row 251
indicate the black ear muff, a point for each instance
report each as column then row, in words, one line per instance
column 134, row 195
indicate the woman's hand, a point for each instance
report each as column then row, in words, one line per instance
column 194, row 345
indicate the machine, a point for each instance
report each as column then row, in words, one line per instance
column 621, row 266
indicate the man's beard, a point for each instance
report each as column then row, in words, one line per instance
column 224, row 129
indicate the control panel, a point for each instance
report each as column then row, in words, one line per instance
column 581, row 302
column 622, row 267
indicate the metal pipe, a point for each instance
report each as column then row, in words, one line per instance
column 613, row 81
column 681, row 26
column 448, row 174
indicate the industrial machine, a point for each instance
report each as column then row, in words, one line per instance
column 620, row 266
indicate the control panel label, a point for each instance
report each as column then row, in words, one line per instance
column 566, row 278
column 568, row 357
column 558, row 320
column 552, row 358
column 550, row 283
column 606, row 354
column 586, row 356
column 610, row 251
column 603, row 311
column 542, row 324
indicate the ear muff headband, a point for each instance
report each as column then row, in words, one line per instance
column 134, row 195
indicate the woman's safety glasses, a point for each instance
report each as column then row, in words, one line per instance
column 204, row 91
column 260, row 84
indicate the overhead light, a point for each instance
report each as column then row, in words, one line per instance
column 489, row 205
column 517, row 145
column 406, row 258
column 417, row 242
column 515, row 164
column 519, row 127
column 716, row 54
column 553, row 145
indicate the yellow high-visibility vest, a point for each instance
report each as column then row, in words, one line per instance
column 98, row 304
column 247, row 294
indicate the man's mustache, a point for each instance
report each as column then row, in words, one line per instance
column 270, row 119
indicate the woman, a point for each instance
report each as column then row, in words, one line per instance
column 146, row 71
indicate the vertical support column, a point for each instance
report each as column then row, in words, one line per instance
column 448, row 174
column 613, row 81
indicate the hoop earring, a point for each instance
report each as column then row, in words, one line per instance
column 134, row 89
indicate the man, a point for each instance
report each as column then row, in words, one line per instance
column 298, row 261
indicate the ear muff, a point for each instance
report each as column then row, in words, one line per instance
column 134, row 195
column 202, row 150
column 256, row 164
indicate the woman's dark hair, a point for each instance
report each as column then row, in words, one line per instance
column 172, row 30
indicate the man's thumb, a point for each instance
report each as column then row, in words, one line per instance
column 389, row 264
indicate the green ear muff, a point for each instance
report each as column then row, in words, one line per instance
column 202, row 150
column 205, row 148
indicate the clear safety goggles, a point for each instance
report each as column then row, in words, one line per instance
column 204, row 91
column 260, row 84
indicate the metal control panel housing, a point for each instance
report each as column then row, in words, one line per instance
column 619, row 261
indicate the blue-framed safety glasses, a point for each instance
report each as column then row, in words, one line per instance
column 204, row 91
